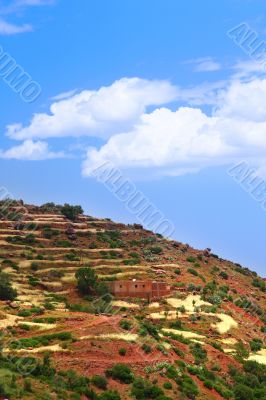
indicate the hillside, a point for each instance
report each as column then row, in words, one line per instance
column 64, row 336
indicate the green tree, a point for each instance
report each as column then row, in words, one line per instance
column 71, row 212
column 243, row 392
column 87, row 281
column 6, row 290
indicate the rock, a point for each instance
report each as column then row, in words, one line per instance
column 14, row 304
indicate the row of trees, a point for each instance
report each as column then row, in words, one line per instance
column 69, row 211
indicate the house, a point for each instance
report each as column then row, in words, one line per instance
column 140, row 289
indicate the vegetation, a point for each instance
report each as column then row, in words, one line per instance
column 88, row 283
column 49, row 312
column 6, row 290
column 120, row 372
column 71, row 212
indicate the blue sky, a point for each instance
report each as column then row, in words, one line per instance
column 157, row 87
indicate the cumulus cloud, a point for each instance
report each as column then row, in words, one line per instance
column 100, row 113
column 187, row 139
column 30, row 150
column 144, row 130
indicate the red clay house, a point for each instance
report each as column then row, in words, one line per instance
column 141, row 289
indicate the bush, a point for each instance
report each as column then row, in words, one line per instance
column 146, row 348
column 199, row 353
column 120, row 372
column 122, row 351
column 125, row 324
column 191, row 259
column 243, row 392
column 256, row 345
column 142, row 389
column 109, row 395
column 99, row 381
column 168, row 385
column 224, row 275
column 63, row 243
column 156, row 250
column 192, row 271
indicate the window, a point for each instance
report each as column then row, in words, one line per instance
column 121, row 286
column 143, row 286
column 136, row 286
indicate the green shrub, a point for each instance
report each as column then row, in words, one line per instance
column 143, row 389
column 256, row 345
column 146, row 348
column 193, row 271
column 224, row 275
column 125, row 324
column 156, row 249
column 191, row 259
column 63, row 243
column 122, row 351
column 109, row 395
column 168, row 385
column 120, row 372
column 99, row 381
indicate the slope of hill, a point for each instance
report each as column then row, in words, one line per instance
column 64, row 336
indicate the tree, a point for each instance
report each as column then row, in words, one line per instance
column 87, row 280
column 243, row 392
column 71, row 212
column 6, row 290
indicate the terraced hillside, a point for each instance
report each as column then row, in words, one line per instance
column 64, row 336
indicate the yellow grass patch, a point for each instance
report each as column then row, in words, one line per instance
column 229, row 341
column 260, row 357
column 189, row 303
column 8, row 320
column 154, row 305
column 41, row 326
column 225, row 325
column 128, row 337
column 229, row 351
column 122, row 274
column 53, row 348
column 120, row 303
column 168, row 315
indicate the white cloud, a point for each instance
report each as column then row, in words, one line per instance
column 185, row 140
column 64, row 95
column 204, row 64
column 161, row 140
column 23, row 3
column 101, row 113
column 17, row 7
column 12, row 29
column 249, row 68
column 30, row 150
